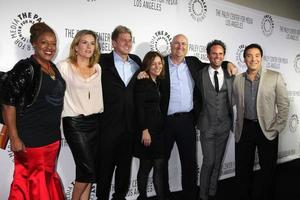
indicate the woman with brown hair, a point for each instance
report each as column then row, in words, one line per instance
column 83, row 104
column 32, row 99
column 149, row 143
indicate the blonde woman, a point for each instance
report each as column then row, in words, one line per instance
column 83, row 104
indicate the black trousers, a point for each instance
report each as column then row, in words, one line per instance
column 143, row 174
column 252, row 137
column 115, row 155
column 181, row 129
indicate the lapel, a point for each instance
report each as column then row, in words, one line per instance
column 113, row 68
column 191, row 67
column 167, row 74
column 261, row 84
column 203, row 84
column 133, row 78
column 228, row 81
column 241, row 88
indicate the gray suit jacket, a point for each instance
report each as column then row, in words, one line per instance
column 203, row 121
column 272, row 103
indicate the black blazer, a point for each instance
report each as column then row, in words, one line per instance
column 194, row 65
column 119, row 112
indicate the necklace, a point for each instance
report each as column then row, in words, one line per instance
column 52, row 74
column 49, row 71
column 46, row 67
column 85, row 73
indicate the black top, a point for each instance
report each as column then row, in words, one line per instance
column 40, row 123
column 147, row 101
column 38, row 100
column 149, row 116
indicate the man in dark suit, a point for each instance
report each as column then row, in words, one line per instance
column 215, row 118
column 119, row 70
column 178, row 99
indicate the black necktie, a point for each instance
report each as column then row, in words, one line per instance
column 216, row 81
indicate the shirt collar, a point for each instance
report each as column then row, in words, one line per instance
column 118, row 58
column 174, row 65
column 258, row 75
column 212, row 70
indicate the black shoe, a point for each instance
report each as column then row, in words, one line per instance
column 212, row 197
column 199, row 198
column 141, row 198
column 169, row 196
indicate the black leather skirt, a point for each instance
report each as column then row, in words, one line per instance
column 82, row 135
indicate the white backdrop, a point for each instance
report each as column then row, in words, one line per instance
column 154, row 23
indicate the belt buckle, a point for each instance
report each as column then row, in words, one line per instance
column 178, row 114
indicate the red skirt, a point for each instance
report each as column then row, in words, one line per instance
column 35, row 176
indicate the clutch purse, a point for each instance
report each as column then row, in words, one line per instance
column 3, row 137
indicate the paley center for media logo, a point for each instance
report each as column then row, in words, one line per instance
column 197, row 9
column 19, row 29
column 267, row 25
column 239, row 57
column 297, row 63
column 161, row 42
column 293, row 123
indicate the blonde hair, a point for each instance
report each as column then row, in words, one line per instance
column 96, row 55
column 118, row 30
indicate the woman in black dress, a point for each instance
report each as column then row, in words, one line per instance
column 149, row 141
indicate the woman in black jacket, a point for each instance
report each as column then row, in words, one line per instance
column 150, row 141
column 32, row 102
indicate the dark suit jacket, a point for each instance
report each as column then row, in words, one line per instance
column 119, row 113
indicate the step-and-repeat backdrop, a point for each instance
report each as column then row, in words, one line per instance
column 154, row 23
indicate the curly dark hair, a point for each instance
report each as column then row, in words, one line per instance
column 213, row 43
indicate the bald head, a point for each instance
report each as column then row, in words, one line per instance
column 179, row 47
column 178, row 36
